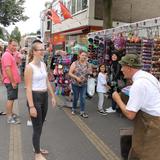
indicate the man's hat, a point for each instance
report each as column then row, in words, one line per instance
column 132, row 60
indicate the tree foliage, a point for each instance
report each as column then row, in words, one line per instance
column 48, row 4
column 4, row 34
column 11, row 11
column 1, row 33
column 16, row 34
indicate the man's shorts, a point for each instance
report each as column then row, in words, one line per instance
column 12, row 93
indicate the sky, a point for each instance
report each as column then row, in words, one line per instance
column 32, row 10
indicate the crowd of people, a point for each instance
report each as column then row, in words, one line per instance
column 37, row 86
column 143, row 102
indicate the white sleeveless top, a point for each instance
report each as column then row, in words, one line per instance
column 39, row 77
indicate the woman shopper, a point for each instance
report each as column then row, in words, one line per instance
column 79, row 71
column 101, row 88
column 37, row 84
column 115, row 75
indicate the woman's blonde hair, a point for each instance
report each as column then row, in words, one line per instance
column 30, row 56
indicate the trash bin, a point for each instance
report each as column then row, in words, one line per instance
column 125, row 141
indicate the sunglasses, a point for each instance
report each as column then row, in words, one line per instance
column 42, row 50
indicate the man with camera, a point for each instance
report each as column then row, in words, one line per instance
column 143, row 107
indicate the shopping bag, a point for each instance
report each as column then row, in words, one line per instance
column 91, row 83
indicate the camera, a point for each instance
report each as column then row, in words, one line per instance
column 113, row 83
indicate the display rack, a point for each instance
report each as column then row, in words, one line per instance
column 140, row 37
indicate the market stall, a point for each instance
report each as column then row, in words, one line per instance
column 59, row 68
column 141, row 37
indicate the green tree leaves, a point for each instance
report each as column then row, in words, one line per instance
column 16, row 35
column 11, row 11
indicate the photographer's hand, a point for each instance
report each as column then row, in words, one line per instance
column 116, row 97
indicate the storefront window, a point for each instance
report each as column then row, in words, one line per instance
column 69, row 6
column 79, row 5
column 73, row 6
column 84, row 4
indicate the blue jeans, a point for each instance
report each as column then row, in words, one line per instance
column 114, row 104
column 79, row 91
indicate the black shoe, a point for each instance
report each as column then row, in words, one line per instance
column 102, row 112
column 84, row 115
column 2, row 113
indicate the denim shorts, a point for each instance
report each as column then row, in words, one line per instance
column 12, row 93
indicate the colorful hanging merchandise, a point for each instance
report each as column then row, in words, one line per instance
column 146, row 55
column 119, row 42
column 140, row 37
column 62, row 81
column 96, row 50
column 133, row 44
column 156, row 58
column 108, row 52
column 61, row 63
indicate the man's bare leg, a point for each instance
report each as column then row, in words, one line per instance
column 9, row 107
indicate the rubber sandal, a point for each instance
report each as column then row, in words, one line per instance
column 2, row 113
column 44, row 151
column 40, row 157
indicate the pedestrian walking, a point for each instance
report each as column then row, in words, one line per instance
column 101, row 88
column 79, row 71
column 1, row 52
column 11, row 79
column 144, row 107
column 29, row 121
column 37, row 86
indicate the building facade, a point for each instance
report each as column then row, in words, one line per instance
column 130, row 11
column 72, row 29
column 88, row 17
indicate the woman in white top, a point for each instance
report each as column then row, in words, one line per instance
column 101, row 88
column 37, row 84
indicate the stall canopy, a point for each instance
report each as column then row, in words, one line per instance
column 140, row 25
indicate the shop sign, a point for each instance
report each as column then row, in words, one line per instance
column 57, row 39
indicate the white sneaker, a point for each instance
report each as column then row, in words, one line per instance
column 110, row 110
column 11, row 120
column 29, row 123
